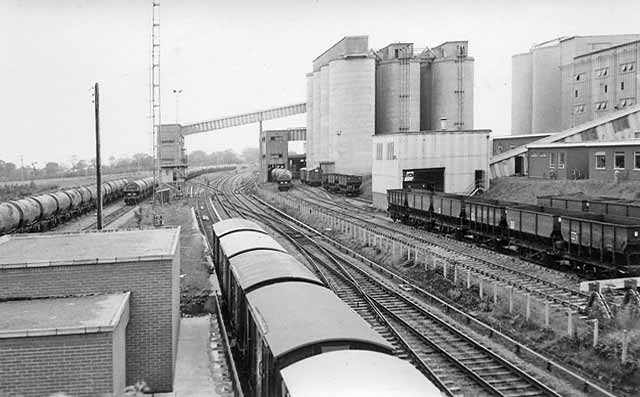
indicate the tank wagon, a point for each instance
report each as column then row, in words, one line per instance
column 45, row 211
column 597, row 205
column 550, row 235
column 311, row 177
column 349, row 185
column 284, row 319
column 138, row 190
column 282, row 177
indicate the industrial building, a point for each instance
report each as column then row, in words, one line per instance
column 453, row 161
column 567, row 81
column 172, row 155
column 571, row 154
column 71, row 345
column 144, row 263
column 354, row 92
column 501, row 144
column 274, row 151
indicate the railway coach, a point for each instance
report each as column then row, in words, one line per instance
column 600, row 240
column 282, row 315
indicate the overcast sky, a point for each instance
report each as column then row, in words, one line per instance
column 236, row 56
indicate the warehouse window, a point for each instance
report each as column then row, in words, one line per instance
column 604, row 72
column 499, row 148
column 561, row 160
column 622, row 85
column 601, row 161
column 636, row 161
column 605, row 88
column 579, row 76
column 576, row 93
column 552, row 160
column 379, row 151
column 618, row 160
column 390, row 153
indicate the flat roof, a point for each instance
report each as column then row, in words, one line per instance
column 233, row 225
column 293, row 315
column 106, row 246
column 625, row 142
column 242, row 241
column 62, row 316
column 356, row 373
column 260, row 267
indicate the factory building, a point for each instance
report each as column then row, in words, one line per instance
column 274, row 151
column 453, row 161
column 503, row 144
column 143, row 264
column 354, row 92
column 172, row 155
column 560, row 83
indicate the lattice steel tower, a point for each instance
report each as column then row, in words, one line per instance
column 155, row 90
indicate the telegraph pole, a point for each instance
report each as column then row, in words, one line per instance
column 96, row 102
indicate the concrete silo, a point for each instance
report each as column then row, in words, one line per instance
column 352, row 109
column 397, row 89
column 521, row 94
column 452, row 86
column 310, row 109
column 325, row 116
column 312, row 139
column 546, row 88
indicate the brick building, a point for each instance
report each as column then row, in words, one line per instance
column 144, row 262
column 63, row 345
column 604, row 161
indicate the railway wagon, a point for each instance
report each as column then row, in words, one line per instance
column 282, row 177
column 237, row 243
column 311, row 177
column 253, row 270
column 228, row 226
column 602, row 240
column 355, row 373
column 593, row 204
column 290, row 321
column 138, row 190
column 349, row 185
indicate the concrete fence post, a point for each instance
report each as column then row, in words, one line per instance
column 546, row 314
column 510, row 290
column 527, row 312
column 569, row 323
column 468, row 278
column 595, row 332
column 625, row 346
column 444, row 268
column 495, row 292
column 455, row 274
column 481, row 285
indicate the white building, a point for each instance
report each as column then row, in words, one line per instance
column 453, row 161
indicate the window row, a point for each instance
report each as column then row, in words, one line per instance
column 618, row 160
column 627, row 67
column 604, row 72
column 599, row 106
column 390, row 151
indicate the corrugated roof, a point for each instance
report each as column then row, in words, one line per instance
column 259, row 267
column 234, row 224
column 293, row 315
column 243, row 241
column 61, row 316
column 58, row 249
column 356, row 373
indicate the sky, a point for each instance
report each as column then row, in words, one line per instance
column 231, row 57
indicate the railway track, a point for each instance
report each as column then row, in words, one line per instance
column 463, row 365
column 511, row 271
column 111, row 217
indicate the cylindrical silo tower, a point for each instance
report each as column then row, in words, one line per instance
column 316, row 121
column 323, row 136
column 545, row 90
column 452, row 91
column 521, row 94
column 310, row 105
column 397, row 95
column 352, row 109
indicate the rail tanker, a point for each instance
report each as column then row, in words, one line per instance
column 545, row 234
column 294, row 336
column 282, row 177
column 44, row 211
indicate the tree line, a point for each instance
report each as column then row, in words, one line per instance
column 138, row 162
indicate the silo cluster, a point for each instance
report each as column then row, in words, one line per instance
column 354, row 92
